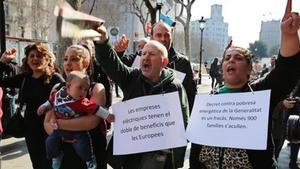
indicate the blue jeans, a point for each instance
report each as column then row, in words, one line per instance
column 82, row 144
column 294, row 152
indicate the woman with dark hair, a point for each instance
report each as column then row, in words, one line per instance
column 237, row 68
column 78, row 58
column 36, row 80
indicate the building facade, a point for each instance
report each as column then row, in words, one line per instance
column 270, row 35
column 119, row 14
column 26, row 21
column 215, row 36
column 34, row 19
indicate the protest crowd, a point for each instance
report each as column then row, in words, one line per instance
column 241, row 124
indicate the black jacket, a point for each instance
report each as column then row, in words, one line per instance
column 8, row 70
column 127, row 59
column 181, row 63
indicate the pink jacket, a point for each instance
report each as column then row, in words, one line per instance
column 1, row 112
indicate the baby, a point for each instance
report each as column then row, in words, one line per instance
column 71, row 102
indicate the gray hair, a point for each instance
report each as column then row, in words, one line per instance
column 160, row 47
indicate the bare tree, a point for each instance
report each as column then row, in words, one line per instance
column 40, row 19
column 143, row 14
column 209, row 50
column 186, row 8
column 92, row 6
column 152, row 11
column 107, row 10
column 140, row 12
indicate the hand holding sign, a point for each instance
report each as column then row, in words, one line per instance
column 222, row 122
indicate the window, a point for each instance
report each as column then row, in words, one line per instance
column 6, row 29
column 6, row 10
column 22, row 31
column 21, row 12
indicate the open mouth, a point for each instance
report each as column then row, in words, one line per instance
column 231, row 69
column 146, row 66
column 36, row 64
column 69, row 70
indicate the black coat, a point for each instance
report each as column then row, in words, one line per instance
column 181, row 63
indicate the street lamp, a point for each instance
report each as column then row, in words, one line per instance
column 159, row 4
column 202, row 26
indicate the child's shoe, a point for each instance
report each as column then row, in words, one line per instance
column 91, row 164
column 56, row 162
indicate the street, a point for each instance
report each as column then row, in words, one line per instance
column 15, row 155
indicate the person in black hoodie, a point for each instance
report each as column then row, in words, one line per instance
column 237, row 67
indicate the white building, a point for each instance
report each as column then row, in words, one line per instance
column 27, row 18
column 270, row 35
column 215, row 36
column 26, row 21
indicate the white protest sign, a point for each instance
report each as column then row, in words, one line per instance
column 136, row 62
column 179, row 75
column 236, row 120
column 148, row 123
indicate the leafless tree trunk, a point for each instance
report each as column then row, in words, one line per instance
column 152, row 11
column 143, row 15
column 92, row 7
column 65, row 42
column 140, row 13
column 187, row 7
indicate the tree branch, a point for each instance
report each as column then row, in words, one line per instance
column 91, row 10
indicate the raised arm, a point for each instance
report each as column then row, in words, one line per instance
column 290, row 25
column 112, row 65
column 8, row 69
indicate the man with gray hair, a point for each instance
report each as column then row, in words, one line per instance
column 152, row 78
